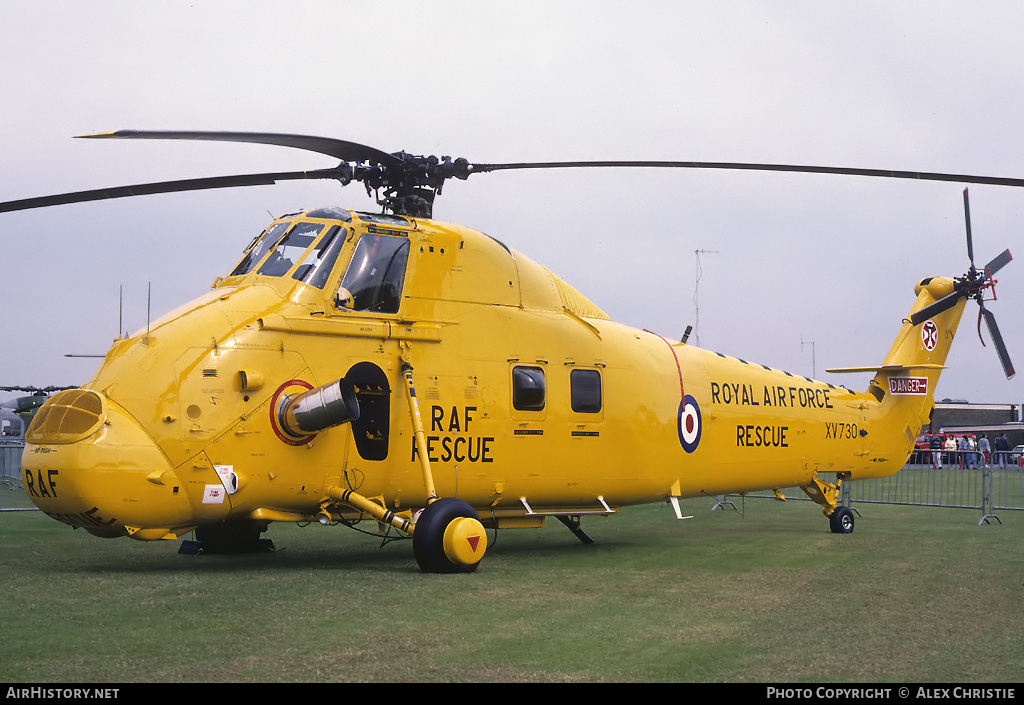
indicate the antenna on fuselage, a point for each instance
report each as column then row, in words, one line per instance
column 814, row 365
column 120, row 324
column 696, row 291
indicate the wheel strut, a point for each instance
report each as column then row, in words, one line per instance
column 572, row 523
column 417, row 428
column 840, row 518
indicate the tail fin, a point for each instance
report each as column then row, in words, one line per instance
column 904, row 384
column 918, row 355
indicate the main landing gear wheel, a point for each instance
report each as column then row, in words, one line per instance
column 841, row 520
column 449, row 537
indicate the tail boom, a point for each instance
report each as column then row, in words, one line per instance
column 904, row 384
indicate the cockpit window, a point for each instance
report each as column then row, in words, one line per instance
column 384, row 219
column 376, row 274
column 298, row 239
column 316, row 272
column 260, row 247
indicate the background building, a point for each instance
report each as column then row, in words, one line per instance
column 960, row 417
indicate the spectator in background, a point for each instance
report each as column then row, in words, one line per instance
column 936, row 446
column 1002, row 450
column 985, row 448
column 950, row 447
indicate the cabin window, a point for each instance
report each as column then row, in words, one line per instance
column 585, row 391
column 315, row 273
column 280, row 261
column 375, row 275
column 528, row 392
column 260, row 247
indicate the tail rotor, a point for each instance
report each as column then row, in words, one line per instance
column 973, row 285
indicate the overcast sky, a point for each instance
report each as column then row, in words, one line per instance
column 802, row 272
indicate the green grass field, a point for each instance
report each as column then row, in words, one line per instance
column 766, row 594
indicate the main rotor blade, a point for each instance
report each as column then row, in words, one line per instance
column 997, row 340
column 167, row 187
column 339, row 149
column 967, row 218
column 943, row 304
column 35, row 389
column 998, row 262
column 849, row 171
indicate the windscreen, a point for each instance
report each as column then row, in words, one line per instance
column 316, row 271
column 280, row 261
column 260, row 248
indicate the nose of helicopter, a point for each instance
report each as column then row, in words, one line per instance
column 89, row 464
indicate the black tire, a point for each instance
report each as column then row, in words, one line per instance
column 841, row 521
column 428, row 538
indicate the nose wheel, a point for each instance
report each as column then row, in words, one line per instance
column 448, row 537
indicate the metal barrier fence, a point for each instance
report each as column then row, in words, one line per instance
column 956, row 479
column 12, row 494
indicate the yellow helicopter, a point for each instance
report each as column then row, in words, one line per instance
column 424, row 376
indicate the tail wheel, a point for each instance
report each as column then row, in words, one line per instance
column 841, row 521
column 449, row 537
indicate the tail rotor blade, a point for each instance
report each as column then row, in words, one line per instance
column 1000, row 261
column 997, row 340
column 967, row 219
column 943, row 304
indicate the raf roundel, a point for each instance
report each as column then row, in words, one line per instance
column 689, row 424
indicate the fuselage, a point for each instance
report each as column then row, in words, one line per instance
column 531, row 399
